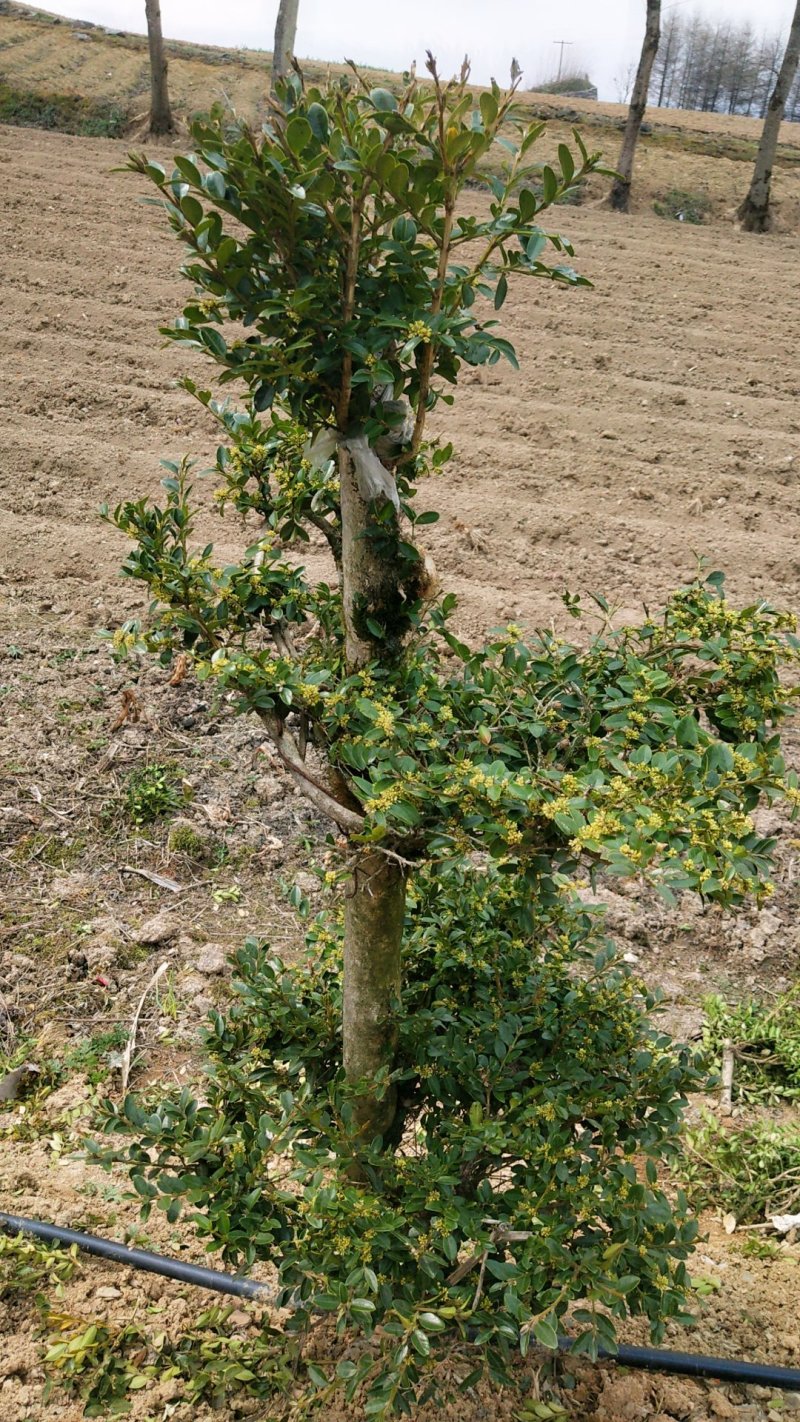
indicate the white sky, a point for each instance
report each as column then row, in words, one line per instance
column 606, row 34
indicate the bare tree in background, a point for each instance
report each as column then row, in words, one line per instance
column 285, row 33
column 667, row 61
column 620, row 195
column 754, row 211
column 161, row 120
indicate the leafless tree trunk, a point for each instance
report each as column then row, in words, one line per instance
column 285, row 34
column 754, row 211
column 620, row 195
column 668, row 59
column 375, row 903
column 160, row 112
column 374, row 915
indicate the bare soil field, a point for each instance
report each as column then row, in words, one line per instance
column 655, row 420
column 45, row 56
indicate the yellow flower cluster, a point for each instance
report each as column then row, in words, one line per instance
column 421, row 330
column 385, row 799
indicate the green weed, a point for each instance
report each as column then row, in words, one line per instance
column 69, row 113
column 766, row 1041
column 151, row 792
column 683, row 206
column 751, row 1171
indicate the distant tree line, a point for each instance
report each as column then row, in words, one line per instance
column 720, row 66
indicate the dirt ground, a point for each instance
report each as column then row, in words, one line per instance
column 655, row 420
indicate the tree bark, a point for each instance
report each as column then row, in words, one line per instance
column 370, row 582
column 373, row 932
column 620, row 195
column 375, row 905
column 754, row 212
column 283, row 45
column 161, row 120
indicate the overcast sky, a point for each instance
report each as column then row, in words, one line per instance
column 605, row 34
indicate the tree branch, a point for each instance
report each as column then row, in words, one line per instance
column 319, row 794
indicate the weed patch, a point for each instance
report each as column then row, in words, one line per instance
column 683, row 206
column 766, row 1044
column 151, row 793
column 69, row 113
column 751, row 1171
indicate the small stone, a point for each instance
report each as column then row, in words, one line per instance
column 99, row 955
column 158, row 929
column 70, row 888
column 678, row 1398
column 14, row 1365
column 307, row 883
column 107, row 1291
column 239, row 1319
column 609, row 434
column 211, row 959
column 268, row 788
column 719, row 1405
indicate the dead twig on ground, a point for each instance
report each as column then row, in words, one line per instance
column 127, row 1055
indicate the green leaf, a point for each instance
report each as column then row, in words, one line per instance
column 501, row 292
column 317, row 1376
column 298, row 133
column 407, row 814
column 383, row 100
column 420, row 1343
column 567, row 162
column 549, row 184
column 404, row 229
column 489, row 108
column 527, row 205
column 687, row 731
column 319, row 122
column 188, row 171
column 192, row 210
column 536, row 244
column 432, row 1323
column 214, row 185
column 545, row 1334
column 628, row 1283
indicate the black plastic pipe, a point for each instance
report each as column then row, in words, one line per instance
column 691, row 1365
column 695, row 1365
column 139, row 1258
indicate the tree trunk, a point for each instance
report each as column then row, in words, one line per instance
column 375, row 905
column 373, row 933
column 160, row 113
column 620, row 195
column 754, row 211
column 370, row 582
column 285, row 34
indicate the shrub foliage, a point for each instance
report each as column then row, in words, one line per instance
column 531, row 1090
column 527, row 1102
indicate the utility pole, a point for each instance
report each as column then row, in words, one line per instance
column 563, row 44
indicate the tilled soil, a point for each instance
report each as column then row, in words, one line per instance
column 654, row 421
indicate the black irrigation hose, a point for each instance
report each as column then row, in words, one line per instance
column 694, row 1365
column 691, row 1365
column 139, row 1258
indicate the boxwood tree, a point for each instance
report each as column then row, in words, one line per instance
column 456, row 1123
